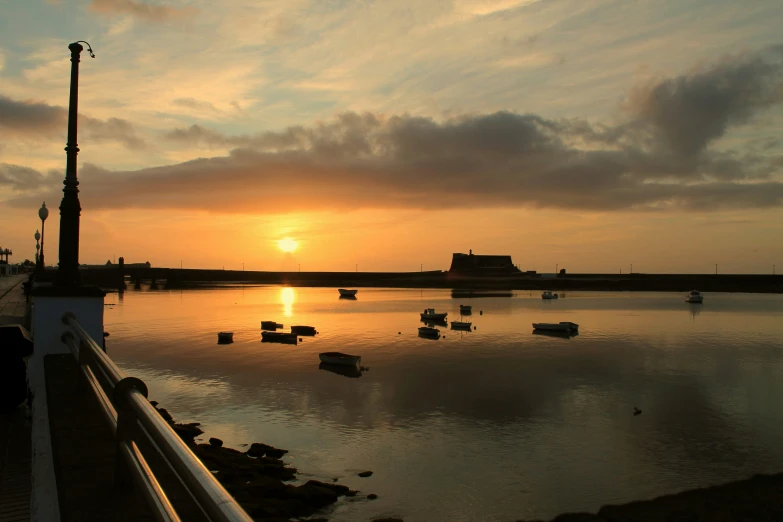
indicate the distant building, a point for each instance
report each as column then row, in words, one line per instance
column 470, row 264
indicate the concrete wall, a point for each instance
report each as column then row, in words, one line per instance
column 47, row 329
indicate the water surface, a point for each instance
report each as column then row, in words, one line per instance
column 494, row 424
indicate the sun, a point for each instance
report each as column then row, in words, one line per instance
column 287, row 244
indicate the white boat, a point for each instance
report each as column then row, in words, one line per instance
column 694, row 297
column 426, row 331
column 465, row 309
column 429, row 313
column 564, row 326
column 339, row 358
column 225, row 337
column 461, row 325
column 347, row 293
column 548, row 295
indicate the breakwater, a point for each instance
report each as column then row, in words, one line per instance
column 184, row 278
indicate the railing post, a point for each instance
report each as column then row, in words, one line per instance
column 85, row 359
column 127, row 425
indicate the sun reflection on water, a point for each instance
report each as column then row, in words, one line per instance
column 288, row 298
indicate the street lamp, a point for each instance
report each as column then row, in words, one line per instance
column 43, row 213
column 37, row 236
column 70, row 208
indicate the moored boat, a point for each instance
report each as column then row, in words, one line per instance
column 548, row 295
column 431, row 315
column 270, row 325
column 340, row 358
column 344, row 292
column 225, row 337
column 564, row 326
column 303, row 330
column 465, row 309
column 461, row 325
column 279, row 337
column 694, row 296
column 430, row 333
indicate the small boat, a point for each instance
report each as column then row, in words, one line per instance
column 461, row 325
column 548, row 295
column 270, row 325
column 564, row 326
column 694, row 297
column 465, row 309
column 225, row 337
column 430, row 314
column 430, row 333
column 341, row 369
column 342, row 359
column 279, row 337
column 303, row 330
column 347, row 293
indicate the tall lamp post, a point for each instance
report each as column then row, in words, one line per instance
column 37, row 246
column 70, row 208
column 43, row 213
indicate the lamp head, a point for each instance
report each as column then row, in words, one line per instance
column 43, row 212
column 37, row 235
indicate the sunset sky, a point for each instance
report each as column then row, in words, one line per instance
column 389, row 134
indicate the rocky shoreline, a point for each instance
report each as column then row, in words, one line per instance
column 257, row 478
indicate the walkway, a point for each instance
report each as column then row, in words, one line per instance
column 15, row 449
column 12, row 301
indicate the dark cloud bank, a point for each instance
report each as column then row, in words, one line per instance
column 662, row 156
column 39, row 120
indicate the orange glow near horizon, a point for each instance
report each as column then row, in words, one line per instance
column 287, row 244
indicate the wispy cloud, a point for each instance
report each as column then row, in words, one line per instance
column 142, row 10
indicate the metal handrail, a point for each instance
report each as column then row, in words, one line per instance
column 124, row 403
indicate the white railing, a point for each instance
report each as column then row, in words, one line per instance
column 130, row 415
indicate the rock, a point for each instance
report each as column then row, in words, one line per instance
column 154, row 403
column 165, row 414
column 187, row 432
column 315, row 494
column 365, row 474
column 258, row 449
column 372, row 496
column 217, row 443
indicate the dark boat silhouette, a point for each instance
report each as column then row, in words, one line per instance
column 303, row 330
column 432, row 323
column 270, row 325
column 279, row 337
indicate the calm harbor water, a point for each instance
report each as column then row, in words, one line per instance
column 496, row 424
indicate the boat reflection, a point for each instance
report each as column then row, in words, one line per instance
column 347, row 298
column 341, row 369
column 555, row 333
column 695, row 309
